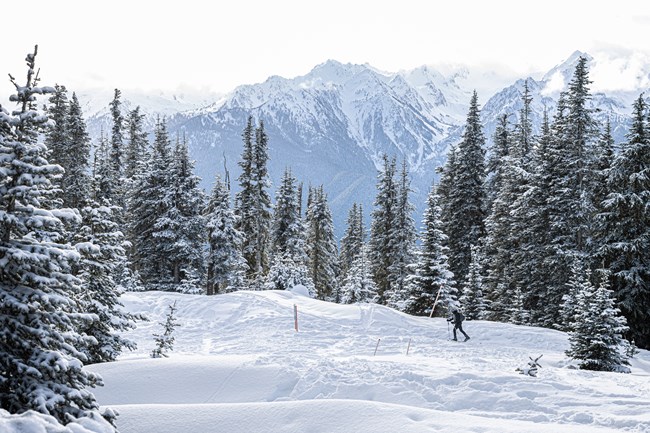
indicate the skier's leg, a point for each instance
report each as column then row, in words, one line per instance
column 455, row 333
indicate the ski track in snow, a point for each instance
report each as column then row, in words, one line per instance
column 242, row 348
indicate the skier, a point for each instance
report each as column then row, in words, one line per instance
column 457, row 320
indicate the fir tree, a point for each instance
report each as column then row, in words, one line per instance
column 596, row 338
column 464, row 211
column 184, row 217
column 253, row 204
column 570, row 203
column 404, row 237
column 56, row 136
column 149, row 201
column 384, row 222
column 472, row 300
column 289, row 262
column 40, row 367
column 136, row 149
column 431, row 278
column 626, row 223
column 321, row 246
column 226, row 266
column 76, row 180
column 352, row 240
column 99, row 242
column 165, row 341
column 358, row 285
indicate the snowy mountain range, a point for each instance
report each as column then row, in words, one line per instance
column 332, row 125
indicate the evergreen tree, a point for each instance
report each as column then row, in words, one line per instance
column 183, row 222
column 117, row 137
column 626, row 223
column 432, row 278
column 321, row 246
column 165, row 341
column 289, row 262
column 404, row 237
column 382, row 236
column 465, row 209
column 76, row 180
column 498, row 242
column 136, row 149
column 596, row 338
column 99, row 242
column 225, row 263
column 472, row 301
column 56, row 136
column 531, row 262
column 253, row 204
column 352, row 240
column 40, row 367
column 149, row 201
column 358, row 285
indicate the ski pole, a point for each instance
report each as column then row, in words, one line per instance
column 448, row 334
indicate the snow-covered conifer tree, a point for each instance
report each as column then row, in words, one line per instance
column 464, row 197
column 432, row 277
column 358, row 285
column 352, row 240
column 288, row 248
column 226, row 266
column 404, row 237
column 321, row 246
column 99, row 243
column 253, row 203
column 472, row 300
column 165, row 341
column 597, row 331
column 384, row 222
column 40, row 366
column 626, row 216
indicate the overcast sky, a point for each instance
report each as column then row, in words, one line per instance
column 218, row 45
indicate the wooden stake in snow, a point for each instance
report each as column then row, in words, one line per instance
column 377, row 346
column 435, row 302
column 408, row 347
column 295, row 317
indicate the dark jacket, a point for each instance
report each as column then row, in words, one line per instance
column 458, row 318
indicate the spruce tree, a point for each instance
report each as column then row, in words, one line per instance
column 352, row 240
column 321, row 246
column 472, row 300
column 404, row 237
column 165, row 341
column 40, row 367
column 626, row 223
column 465, row 209
column 226, row 266
column 382, row 236
column 56, row 136
column 136, row 147
column 99, row 241
column 358, row 285
column 431, row 278
column 149, row 201
column 76, row 180
column 597, row 331
column 184, row 220
column 253, row 203
column 289, row 259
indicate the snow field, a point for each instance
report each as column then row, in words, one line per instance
column 239, row 366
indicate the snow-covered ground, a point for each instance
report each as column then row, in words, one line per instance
column 239, row 366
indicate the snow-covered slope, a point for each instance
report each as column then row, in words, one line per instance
column 239, row 366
